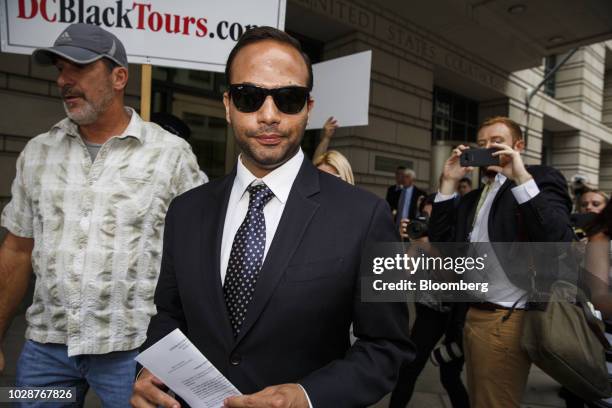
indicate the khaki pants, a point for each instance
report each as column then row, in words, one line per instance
column 496, row 367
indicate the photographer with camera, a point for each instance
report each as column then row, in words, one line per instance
column 434, row 320
column 522, row 204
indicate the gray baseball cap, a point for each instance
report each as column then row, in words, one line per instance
column 83, row 44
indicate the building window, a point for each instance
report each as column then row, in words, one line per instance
column 549, row 86
column 189, row 81
column 454, row 117
column 208, row 141
column 195, row 98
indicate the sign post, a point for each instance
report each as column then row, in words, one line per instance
column 145, row 92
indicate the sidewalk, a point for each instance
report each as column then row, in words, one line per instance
column 541, row 391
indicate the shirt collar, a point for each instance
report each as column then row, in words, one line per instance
column 278, row 180
column 133, row 129
column 500, row 178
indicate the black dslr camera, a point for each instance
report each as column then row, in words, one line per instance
column 417, row 228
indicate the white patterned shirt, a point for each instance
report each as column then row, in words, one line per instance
column 97, row 229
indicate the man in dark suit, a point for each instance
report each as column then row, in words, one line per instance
column 409, row 199
column 521, row 204
column 394, row 191
column 260, row 269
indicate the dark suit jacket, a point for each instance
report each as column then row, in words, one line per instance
column 307, row 294
column 545, row 218
column 414, row 206
column 393, row 195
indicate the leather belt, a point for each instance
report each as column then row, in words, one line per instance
column 491, row 307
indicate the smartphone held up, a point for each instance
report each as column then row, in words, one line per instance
column 479, row 157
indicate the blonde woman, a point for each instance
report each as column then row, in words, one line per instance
column 593, row 201
column 334, row 162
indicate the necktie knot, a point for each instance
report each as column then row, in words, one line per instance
column 259, row 195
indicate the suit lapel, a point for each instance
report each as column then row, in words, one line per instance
column 213, row 220
column 298, row 212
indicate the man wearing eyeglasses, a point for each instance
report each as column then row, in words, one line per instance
column 261, row 268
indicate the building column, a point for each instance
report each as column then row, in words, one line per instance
column 605, row 158
column 605, row 169
column 576, row 152
column 606, row 114
column 399, row 130
column 579, row 82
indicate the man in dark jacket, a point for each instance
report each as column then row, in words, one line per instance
column 521, row 204
column 261, row 269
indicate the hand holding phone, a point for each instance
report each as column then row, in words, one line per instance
column 452, row 171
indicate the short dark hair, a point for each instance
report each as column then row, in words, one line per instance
column 400, row 168
column 466, row 180
column 263, row 33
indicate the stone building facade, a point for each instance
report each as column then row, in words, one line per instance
column 427, row 94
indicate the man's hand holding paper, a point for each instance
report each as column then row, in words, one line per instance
column 174, row 361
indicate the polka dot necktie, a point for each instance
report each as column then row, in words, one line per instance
column 246, row 257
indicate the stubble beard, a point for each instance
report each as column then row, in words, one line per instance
column 90, row 111
column 263, row 160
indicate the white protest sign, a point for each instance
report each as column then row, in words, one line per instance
column 192, row 34
column 341, row 89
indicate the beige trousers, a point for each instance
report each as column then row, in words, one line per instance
column 496, row 367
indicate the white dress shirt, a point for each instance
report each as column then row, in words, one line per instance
column 280, row 181
column 503, row 288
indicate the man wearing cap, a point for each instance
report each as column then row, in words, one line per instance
column 87, row 215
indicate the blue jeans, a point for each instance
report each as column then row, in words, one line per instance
column 110, row 375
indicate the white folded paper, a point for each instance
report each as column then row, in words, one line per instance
column 187, row 372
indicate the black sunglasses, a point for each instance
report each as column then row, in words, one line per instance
column 249, row 98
